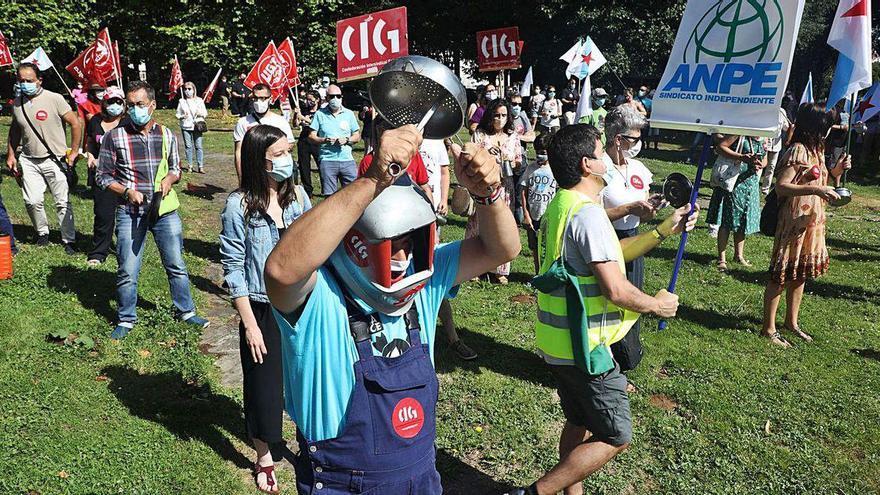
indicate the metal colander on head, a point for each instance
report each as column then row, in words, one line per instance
column 420, row 91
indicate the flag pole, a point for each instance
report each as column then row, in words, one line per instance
column 849, row 129
column 62, row 82
column 679, row 256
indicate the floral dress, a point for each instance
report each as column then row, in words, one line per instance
column 509, row 152
column 739, row 211
column 799, row 251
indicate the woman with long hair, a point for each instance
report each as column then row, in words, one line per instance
column 112, row 116
column 799, row 252
column 192, row 113
column 255, row 217
column 497, row 134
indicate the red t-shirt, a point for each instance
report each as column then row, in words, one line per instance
column 88, row 107
column 416, row 170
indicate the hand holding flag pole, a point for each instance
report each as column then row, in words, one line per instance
column 679, row 256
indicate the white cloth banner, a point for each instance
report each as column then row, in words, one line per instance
column 585, row 107
column 39, row 58
column 526, row 90
column 729, row 67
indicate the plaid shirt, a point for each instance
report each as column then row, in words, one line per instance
column 130, row 158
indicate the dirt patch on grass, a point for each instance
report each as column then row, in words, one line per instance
column 524, row 299
column 663, row 401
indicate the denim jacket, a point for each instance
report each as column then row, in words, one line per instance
column 246, row 243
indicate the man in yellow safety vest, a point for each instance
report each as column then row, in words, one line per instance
column 585, row 304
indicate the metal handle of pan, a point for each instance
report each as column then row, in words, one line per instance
column 396, row 169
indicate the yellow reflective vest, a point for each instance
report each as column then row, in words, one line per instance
column 576, row 323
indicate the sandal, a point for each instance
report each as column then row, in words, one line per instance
column 721, row 265
column 744, row 262
column 800, row 333
column 777, row 339
column 269, row 471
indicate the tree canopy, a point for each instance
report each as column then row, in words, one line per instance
column 635, row 37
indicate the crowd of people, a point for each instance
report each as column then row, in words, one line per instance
column 340, row 301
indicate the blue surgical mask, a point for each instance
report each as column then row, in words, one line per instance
column 28, row 88
column 514, row 110
column 282, row 168
column 139, row 115
column 551, row 94
column 334, row 103
column 115, row 109
column 600, row 102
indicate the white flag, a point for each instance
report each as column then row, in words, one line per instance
column 586, row 61
column 851, row 36
column 870, row 104
column 585, row 106
column 807, row 96
column 526, row 88
column 572, row 52
column 39, row 58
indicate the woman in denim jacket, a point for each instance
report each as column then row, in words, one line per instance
column 255, row 217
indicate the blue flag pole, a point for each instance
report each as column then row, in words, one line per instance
column 704, row 157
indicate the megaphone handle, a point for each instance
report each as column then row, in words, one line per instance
column 395, row 169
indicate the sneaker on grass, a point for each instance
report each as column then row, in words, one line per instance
column 197, row 321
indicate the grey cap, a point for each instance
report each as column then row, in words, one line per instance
column 598, row 92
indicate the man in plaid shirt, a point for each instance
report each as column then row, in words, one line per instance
column 127, row 165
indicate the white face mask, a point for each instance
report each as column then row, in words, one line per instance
column 398, row 266
column 188, row 93
column 261, row 106
column 491, row 95
column 634, row 150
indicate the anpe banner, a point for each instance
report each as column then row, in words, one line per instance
column 364, row 44
column 498, row 49
column 729, row 67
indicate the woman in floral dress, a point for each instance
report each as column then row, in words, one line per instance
column 497, row 134
column 738, row 211
column 799, row 252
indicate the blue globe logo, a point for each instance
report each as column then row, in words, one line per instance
column 737, row 29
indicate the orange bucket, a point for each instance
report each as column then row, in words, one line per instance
column 5, row 257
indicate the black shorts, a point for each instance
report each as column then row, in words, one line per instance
column 597, row 402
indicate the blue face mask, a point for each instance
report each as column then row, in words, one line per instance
column 115, row 109
column 600, row 102
column 139, row 115
column 282, row 168
column 514, row 110
column 28, row 88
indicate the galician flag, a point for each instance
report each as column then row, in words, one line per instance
column 526, row 88
column 807, row 97
column 869, row 106
column 851, row 36
column 572, row 52
column 587, row 60
column 39, row 58
column 585, row 107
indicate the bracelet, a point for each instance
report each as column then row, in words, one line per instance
column 490, row 199
column 125, row 194
column 657, row 235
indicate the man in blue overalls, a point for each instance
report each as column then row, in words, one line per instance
column 356, row 283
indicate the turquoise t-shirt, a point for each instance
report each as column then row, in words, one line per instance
column 344, row 124
column 319, row 352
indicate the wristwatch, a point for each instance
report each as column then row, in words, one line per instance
column 494, row 196
column 657, row 235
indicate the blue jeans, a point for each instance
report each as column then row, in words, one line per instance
column 336, row 174
column 192, row 139
column 6, row 225
column 131, row 234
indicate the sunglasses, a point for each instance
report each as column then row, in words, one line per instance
column 118, row 101
column 333, row 97
column 631, row 139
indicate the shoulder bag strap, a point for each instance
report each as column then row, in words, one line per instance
column 39, row 135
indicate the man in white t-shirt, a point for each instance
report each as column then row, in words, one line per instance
column 261, row 96
column 773, row 151
column 436, row 158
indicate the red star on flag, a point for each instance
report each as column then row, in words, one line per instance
column 857, row 10
column 587, row 58
column 863, row 106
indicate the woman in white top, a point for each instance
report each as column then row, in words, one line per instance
column 550, row 111
column 626, row 198
column 191, row 112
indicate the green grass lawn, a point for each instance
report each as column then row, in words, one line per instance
column 718, row 410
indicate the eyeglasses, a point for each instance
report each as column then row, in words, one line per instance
column 333, row 97
column 631, row 139
column 118, row 101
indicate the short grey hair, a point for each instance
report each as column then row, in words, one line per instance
column 622, row 119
